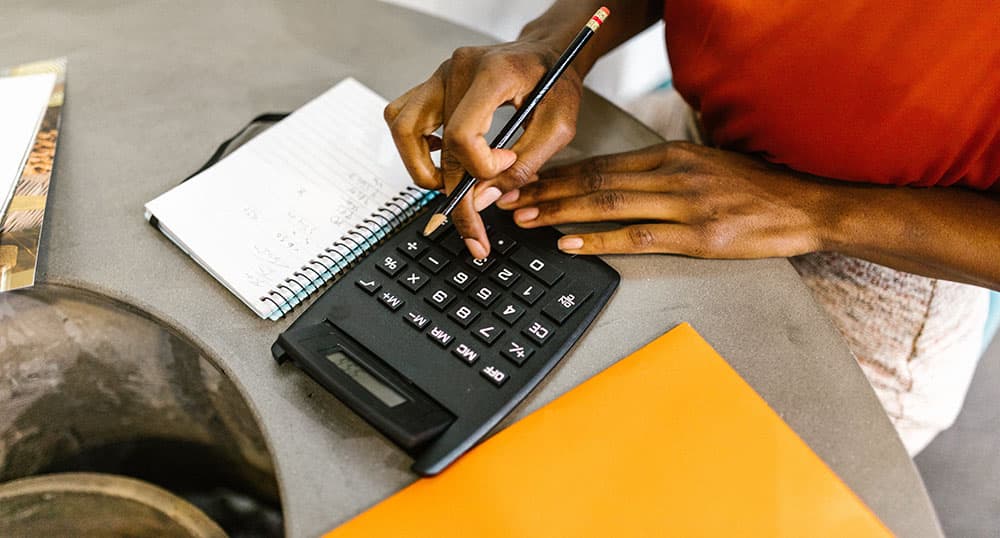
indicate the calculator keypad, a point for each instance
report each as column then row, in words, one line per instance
column 485, row 299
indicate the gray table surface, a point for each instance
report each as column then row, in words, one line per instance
column 154, row 86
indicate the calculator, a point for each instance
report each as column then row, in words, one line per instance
column 432, row 347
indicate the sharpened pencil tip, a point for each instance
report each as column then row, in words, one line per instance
column 437, row 221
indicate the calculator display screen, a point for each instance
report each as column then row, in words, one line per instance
column 377, row 388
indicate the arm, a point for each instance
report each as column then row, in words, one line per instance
column 709, row 203
column 466, row 90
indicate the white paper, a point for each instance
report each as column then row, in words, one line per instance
column 270, row 207
column 23, row 101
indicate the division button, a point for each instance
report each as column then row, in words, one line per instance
column 391, row 300
column 495, row 375
column 466, row 353
column 516, row 351
column 413, row 280
column 391, row 264
column 370, row 285
column 413, row 247
column 561, row 306
column 529, row 291
column 538, row 332
column 440, row 336
column 488, row 332
column 416, row 319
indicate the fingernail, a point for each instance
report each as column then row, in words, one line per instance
column 486, row 197
column 510, row 197
column 525, row 214
column 570, row 243
column 475, row 248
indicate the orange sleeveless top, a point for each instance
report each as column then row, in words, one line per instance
column 891, row 92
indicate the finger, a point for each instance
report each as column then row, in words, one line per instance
column 567, row 187
column 604, row 206
column 470, row 227
column 411, row 124
column 640, row 160
column 551, row 128
column 639, row 238
column 470, row 120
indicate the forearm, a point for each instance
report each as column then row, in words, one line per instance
column 947, row 233
column 563, row 20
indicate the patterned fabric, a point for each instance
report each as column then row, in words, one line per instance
column 917, row 339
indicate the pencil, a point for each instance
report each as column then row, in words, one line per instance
column 503, row 137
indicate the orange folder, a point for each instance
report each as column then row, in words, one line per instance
column 670, row 441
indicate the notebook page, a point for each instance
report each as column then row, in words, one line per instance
column 23, row 100
column 264, row 211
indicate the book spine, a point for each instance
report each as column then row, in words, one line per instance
column 334, row 260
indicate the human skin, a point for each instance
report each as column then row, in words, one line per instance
column 674, row 197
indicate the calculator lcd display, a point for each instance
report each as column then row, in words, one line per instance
column 377, row 388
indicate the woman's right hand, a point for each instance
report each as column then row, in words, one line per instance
column 462, row 96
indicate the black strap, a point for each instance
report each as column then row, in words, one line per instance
column 220, row 152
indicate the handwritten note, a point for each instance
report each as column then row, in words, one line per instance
column 274, row 204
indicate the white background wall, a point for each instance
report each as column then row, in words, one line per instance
column 631, row 70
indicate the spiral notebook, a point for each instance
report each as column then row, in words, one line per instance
column 294, row 207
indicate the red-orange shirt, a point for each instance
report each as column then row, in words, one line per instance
column 879, row 91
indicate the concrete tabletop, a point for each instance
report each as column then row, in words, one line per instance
column 153, row 87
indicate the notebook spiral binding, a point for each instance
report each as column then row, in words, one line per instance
column 334, row 260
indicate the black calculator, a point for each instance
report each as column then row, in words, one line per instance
column 433, row 347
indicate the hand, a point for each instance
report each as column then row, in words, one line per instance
column 462, row 95
column 690, row 200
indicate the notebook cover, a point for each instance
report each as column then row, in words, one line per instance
column 670, row 441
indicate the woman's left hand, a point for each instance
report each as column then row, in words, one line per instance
column 679, row 198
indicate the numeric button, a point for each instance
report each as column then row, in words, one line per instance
column 461, row 278
column 535, row 265
column 488, row 332
column 505, row 276
column 485, row 295
column 509, row 312
column 440, row 299
column 463, row 315
column 529, row 291
column 480, row 264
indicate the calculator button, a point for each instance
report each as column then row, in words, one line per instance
column 538, row 332
column 495, row 375
column 510, row 312
column 504, row 275
column 453, row 243
column 461, row 278
column 529, row 291
column 480, row 264
column 440, row 298
column 488, row 332
column 391, row 300
column 466, row 353
column 463, row 315
column 416, row 319
column 560, row 308
column 434, row 262
column 369, row 285
column 391, row 264
column 485, row 295
column 440, row 336
column 536, row 266
column 516, row 351
column 413, row 280
column 501, row 243
column 413, row 247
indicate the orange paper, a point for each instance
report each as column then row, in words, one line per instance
column 670, row 441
